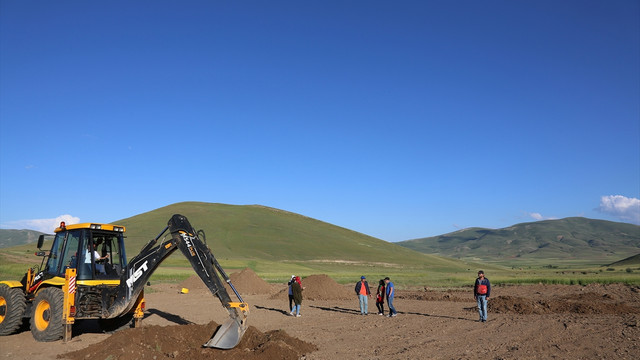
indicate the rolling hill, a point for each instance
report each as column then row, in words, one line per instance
column 9, row 237
column 259, row 232
column 274, row 243
column 574, row 238
column 630, row 261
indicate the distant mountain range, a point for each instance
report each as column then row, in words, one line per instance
column 574, row 238
column 17, row 237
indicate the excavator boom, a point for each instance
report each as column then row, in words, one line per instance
column 185, row 238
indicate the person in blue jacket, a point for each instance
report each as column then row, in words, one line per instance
column 391, row 292
column 481, row 293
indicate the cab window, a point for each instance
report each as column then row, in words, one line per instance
column 54, row 255
column 64, row 252
column 107, row 249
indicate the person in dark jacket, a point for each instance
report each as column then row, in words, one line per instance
column 293, row 278
column 296, row 289
column 380, row 297
column 362, row 290
column 481, row 293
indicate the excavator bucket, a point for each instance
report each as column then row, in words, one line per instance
column 228, row 335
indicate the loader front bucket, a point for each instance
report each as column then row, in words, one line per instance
column 228, row 335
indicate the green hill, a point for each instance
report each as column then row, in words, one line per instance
column 9, row 237
column 274, row 242
column 630, row 261
column 259, row 232
column 570, row 239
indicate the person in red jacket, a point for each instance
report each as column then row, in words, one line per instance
column 481, row 292
column 362, row 290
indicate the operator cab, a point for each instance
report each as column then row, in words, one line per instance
column 96, row 250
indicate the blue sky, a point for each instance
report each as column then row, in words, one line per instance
column 396, row 119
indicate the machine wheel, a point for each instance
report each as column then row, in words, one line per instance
column 46, row 316
column 12, row 306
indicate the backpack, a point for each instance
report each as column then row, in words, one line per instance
column 482, row 289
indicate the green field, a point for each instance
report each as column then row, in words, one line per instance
column 174, row 269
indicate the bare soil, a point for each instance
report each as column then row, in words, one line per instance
column 525, row 322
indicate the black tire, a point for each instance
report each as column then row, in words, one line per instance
column 12, row 307
column 46, row 315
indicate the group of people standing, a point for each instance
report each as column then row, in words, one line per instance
column 386, row 290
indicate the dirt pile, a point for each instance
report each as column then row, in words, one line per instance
column 589, row 303
column 247, row 282
column 318, row 287
column 185, row 342
column 322, row 287
column 434, row 295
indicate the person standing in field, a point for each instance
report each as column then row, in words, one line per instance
column 380, row 297
column 481, row 293
column 363, row 292
column 296, row 289
column 391, row 292
column 293, row 278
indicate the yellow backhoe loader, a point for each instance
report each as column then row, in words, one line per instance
column 85, row 275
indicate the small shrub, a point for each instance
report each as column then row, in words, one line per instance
column 629, row 270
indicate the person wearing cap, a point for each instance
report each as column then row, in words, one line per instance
column 481, row 293
column 391, row 293
column 362, row 290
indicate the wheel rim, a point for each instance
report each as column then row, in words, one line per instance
column 3, row 308
column 43, row 315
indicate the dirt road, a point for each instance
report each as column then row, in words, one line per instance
column 525, row 322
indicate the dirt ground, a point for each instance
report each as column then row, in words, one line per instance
column 525, row 322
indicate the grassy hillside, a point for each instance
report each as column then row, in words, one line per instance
column 278, row 243
column 258, row 232
column 17, row 237
column 572, row 239
column 630, row 261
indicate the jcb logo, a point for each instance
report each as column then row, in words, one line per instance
column 136, row 275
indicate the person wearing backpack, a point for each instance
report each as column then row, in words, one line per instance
column 481, row 293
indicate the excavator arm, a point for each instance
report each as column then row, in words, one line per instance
column 185, row 238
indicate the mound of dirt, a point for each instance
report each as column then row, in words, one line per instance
column 247, row 282
column 590, row 304
column 318, row 287
column 434, row 295
column 185, row 342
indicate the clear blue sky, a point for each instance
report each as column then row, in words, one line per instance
column 397, row 119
